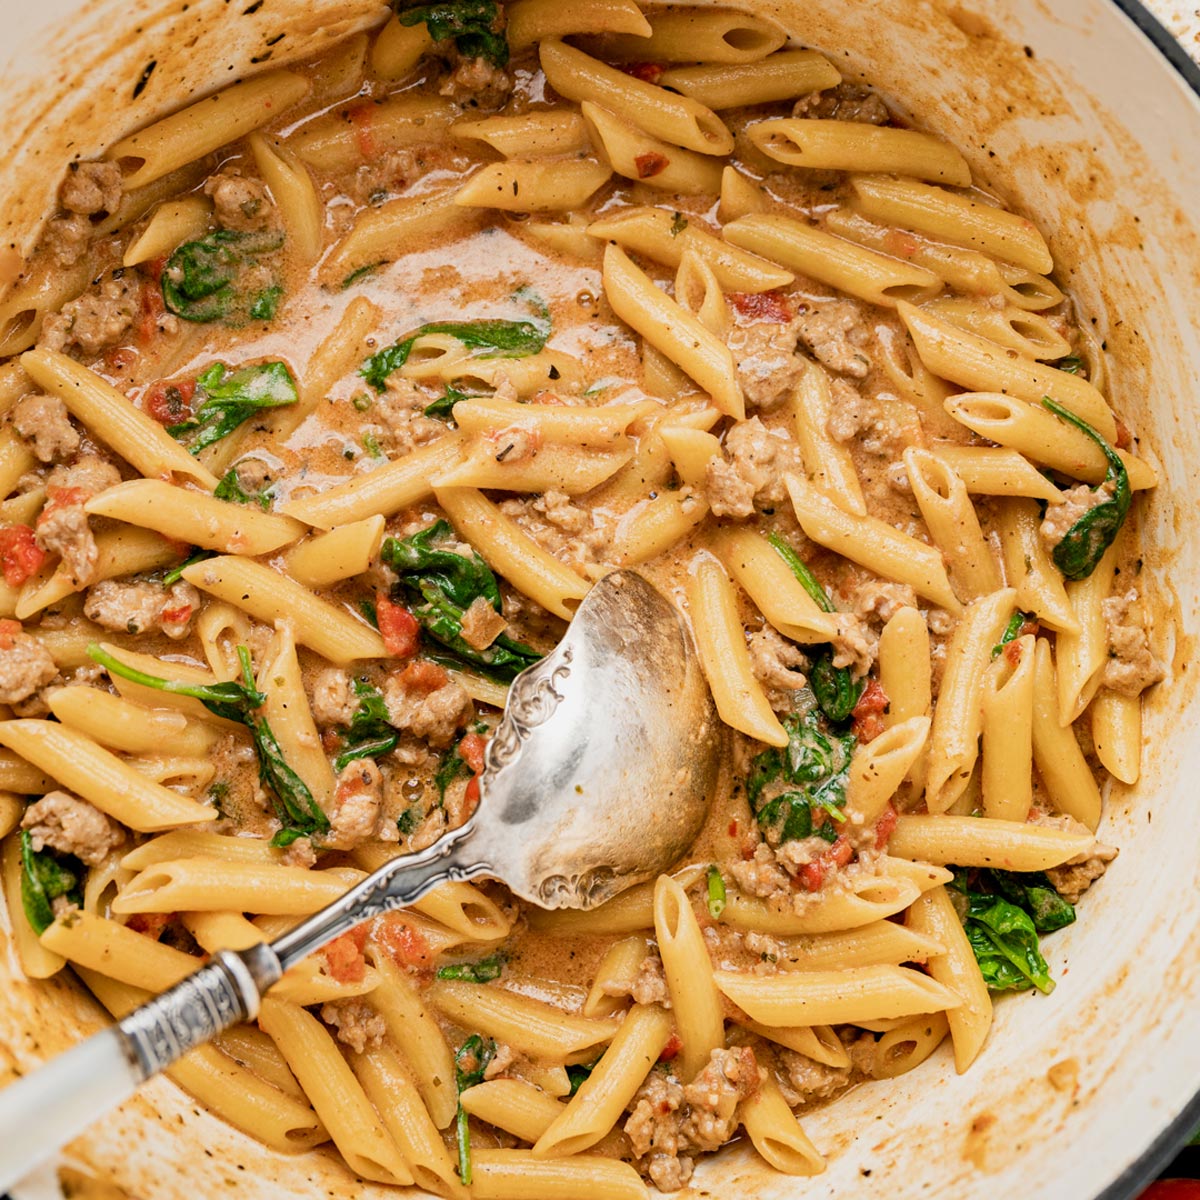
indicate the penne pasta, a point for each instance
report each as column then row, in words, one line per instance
column 781, row 76
column 984, row 842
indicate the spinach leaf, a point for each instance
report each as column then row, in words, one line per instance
column 45, row 877
column 1084, row 544
column 230, row 488
column 836, row 690
column 578, row 1075
column 470, row 1063
column 679, row 224
column 232, row 397
column 1072, row 364
column 483, row 971
column 440, row 585
column 1033, row 892
column 442, row 409
column 1006, row 946
column 453, row 766
column 469, row 22
column 489, row 339
column 370, row 734
column 716, row 893
column 295, row 807
column 799, row 790
column 409, row 819
column 1012, row 631
column 201, row 280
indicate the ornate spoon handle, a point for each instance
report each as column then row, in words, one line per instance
column 58, row 1101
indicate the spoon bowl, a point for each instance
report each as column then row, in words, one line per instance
column 598, row 778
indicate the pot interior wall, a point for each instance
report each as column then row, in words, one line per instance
column 1078, row 122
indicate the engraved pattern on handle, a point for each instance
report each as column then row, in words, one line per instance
column 532, row 699
column 190, row 1014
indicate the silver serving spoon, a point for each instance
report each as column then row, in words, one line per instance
column 598, row 777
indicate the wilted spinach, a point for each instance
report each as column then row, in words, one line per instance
column 230, row 488
column 44, row 878
column 228, row 398
column 440, row 585
column 483, row 971
column 469, row 22
column 208, row 279
column 470, row 1063
column 369, row 734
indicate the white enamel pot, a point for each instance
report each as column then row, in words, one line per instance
column 1084, row 115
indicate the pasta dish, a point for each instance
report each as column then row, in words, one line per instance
column 326, row 400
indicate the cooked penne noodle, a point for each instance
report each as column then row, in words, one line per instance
column 673, row 330
column 878, row 767
column 533, row 185
column 952, row 217
column 984, row 842
column 775, row 1132
column 694, row 35
column 739, row 196
column 513, row 1105
column 828, row 463
column 532, row 21
column 664, row 115
column 904, row 667
column 873, row 898
column 291, row 185
column 511, row 1174
column 1027, row 333
column 635, row 154
column 222, row 629
column 602, row 1097
column 1080, row 656
column 781, row 76
column 847, row 266
column 531, row 135
column 538, row 1030
column 957, row 717
column 601, row 426
column 270, row 597
column 828, row 145
column 26, row 306
column 957, row 971
column 769, row 581
column 205, row 126
column 655, row 234
column 336, row 1095
column 695, row 1001
column 720, row 641
column 112, row 949
column 365, row 129
column 173, row 224
column 615, row 977
column 880, row 943
column 1117, row 733
column 1007, row 746
column 1040, row 587
column 835, row 997
column 203, row 884
column 109, row 416
column 1056, row 754
column 488, row 463
column 36, row 961
column 872, row 543
column 652, row 526
column 109, row 783
column 996, row 471
column 337, row 554
column 195, row 518
column 950, row 518
column 123, row 725
column 509, row 550
column 398, row 48
column 12, row 808
column 385, row 490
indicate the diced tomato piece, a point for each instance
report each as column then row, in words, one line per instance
column 344, row 957
column 471, row 797
column 812, row 875
column 471, row 749
column 8, row 633
column 762, row 306
column 1171, row 1189
column 152, row 309
column 400, row 630
column 362, row 117
column 422, row 676
column 733, row 828
column 155, row 267
column 179, row 615
column 650, row 164
column 868, row 712
column 150, row 924
column 647, row 72
column 20, row 554
column 120, row 357
column 671, row 1049
column 885, row 826
column 61, row 497
column 404, row 944
column 170, row 403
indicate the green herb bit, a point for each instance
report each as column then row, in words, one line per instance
column 371, row 446
column 716, row 893
column 1072, row 364
column 44, row 878
column 1083, row 545
column 230, row 488
column 1012, row 631
column 370, row 734
column 362, row 402
column 175, row 574
column 679, row 224
column 361, row 273
column 295, row 807
column 409, row 819
column 440, row 585
column 471, row 23
column 488, row 339
column 200, row 281
column 470, row 1063
column 483, row 971
column 579, row 1075
column 233, row 397
column 836, row 690
column 442, row 409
